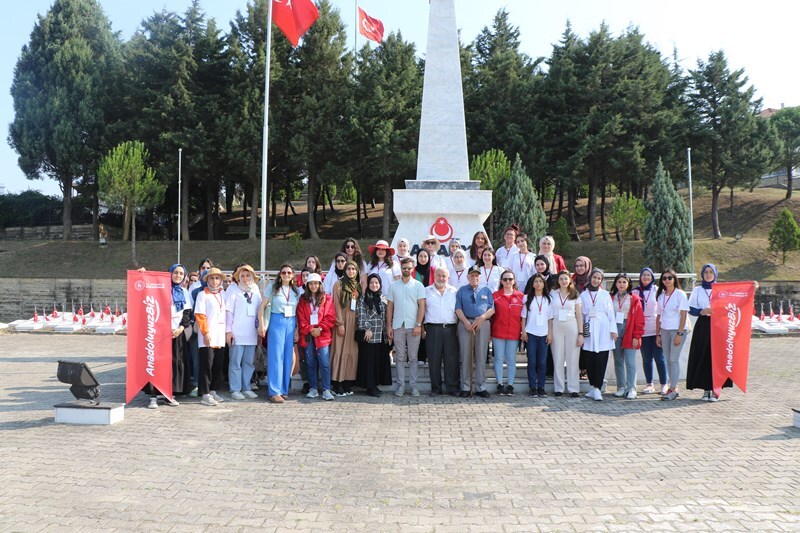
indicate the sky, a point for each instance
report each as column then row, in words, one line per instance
column 757, row 37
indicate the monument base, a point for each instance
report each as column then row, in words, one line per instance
column 81, row 412
column 796, row 418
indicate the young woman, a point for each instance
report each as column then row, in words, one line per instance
column 381, row 263
column 334, row 275
column 243, row 299
column 344, row 350
column 630, row 327
column 490, row 270
column 650, row 352
column 423, row 272
column 312, row 264
column 209, row 313
column 454, row 245
column 671, row 326
column 403, row 250
column 521, row 262
column 567, row 335
column 583, row 271
column 316, row 319
column 374, row 365
column 542, row 266
column 480, row 241
column 506, row 331
column 599, row 330
column 698, row 370
column 278, row 312
column 352, row 252
column 537, row 332
column 509, row 245
column 546, row 246
column 457, row 265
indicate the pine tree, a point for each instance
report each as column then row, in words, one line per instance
column 785, row 234
column 491, row 168
column 519, row 203
column 667, row 235
column 626, row 215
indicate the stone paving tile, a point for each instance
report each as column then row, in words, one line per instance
column 411, row 464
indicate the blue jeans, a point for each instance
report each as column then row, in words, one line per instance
column 280, row 354
column 537, row 361
column 650, row 353
column 240, row 367
column 505, row 350
column 624, row 362
column 318, row 359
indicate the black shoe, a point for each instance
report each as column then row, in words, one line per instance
column 541, row 393
column 501, row 389
column 574, row 394
column 533, row 393
column 559, row 394
column 463, row 394
column 373, row 392
column 509, row 390
column 306, row 388
column 454, row 393
column 434, row 393
column 483, row 393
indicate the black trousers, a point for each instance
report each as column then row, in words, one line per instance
column 212, row 369
column 442, row 346
column 596, row 367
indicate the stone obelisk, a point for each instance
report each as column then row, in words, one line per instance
column 442, row 200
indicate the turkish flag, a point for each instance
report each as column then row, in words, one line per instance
column 731, row 306
column 369, row 27
column 149, row 343
column 294, row 17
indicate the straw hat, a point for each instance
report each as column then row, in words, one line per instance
column 249, row 269
column 214, row 271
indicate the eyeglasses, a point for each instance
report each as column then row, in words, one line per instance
column 668, row 278
column 349, row 246
column 287, row 273
column 506, row 279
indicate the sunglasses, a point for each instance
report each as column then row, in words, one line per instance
column 507, row 279
column 430, row 242
column 341, row 260
column 668, row 278
column 349, row 246
column 286, row 273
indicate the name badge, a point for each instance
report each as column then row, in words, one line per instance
column 592, row 314
column 314, row 319
column 288, row 311
column 540, row 320
column 562, row 315
column 483, row 297
column 352, row 304
column 620, row 317
column 251, row 309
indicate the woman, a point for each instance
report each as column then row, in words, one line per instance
column 671, row 326
column 243, row 299
column 509, row 245
column 583, row 271
column 480, row 241
column 567, row 335
column 457, row 265
column 334, row 275
column 312, row 264
column 599, row 331
column 650, row 352
column 352, row 252
column 344, row 351
column 542, row 267
column 209, row 313
column 490, row 270
column 698, row 370
column 454, row 245
column 316, row 319
column 382, row 264
column 537, row 332
column 521, row 262
column 423, row 272
column 374, row 365
column 506, row 328
column 630, row 327
column 278, row 315
column 403, row 250
column 546, row 246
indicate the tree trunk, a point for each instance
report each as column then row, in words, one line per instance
column 373, row 202
column 150, row 223
column 321, row 202
column 789, row 178
column 364, row 200
column 592, row 211
column 387, row 207
column 184, row 229
column 230, row 191
column 553, row 204
column 274, row 202
column 253, row 231
column 330, row 198
column 603, row 208
column 133, row 237
column 95, row 212
column 560, row 200
column 570, row 211
column 715, row 190
column 66, row 185
column 286, row 203
column 358, row 209
column 311, row 204
column 126, row 224
column 209, row 211
column 622, row 256
column 731, row 208
column 245, row 202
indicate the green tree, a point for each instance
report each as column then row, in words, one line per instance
column 560, row 232
column 787, row 124
column 62, row 93
column 785, row 234
column 492, row 168
column 626, row 216
column 519, row 203
column 127, row 183
column 667, row 235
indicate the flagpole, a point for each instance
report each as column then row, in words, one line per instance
column 180, row 151
column 691, row 206
column 264, row 147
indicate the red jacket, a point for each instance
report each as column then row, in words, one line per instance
column 634, row 328
column 506, row 322
column 327, row 320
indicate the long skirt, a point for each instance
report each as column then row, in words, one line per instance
column 698, row 369
column 180, row 378
column 374, row 365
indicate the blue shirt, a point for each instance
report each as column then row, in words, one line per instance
column 474, row 303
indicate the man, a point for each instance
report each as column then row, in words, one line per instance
column 457, row 268
column 431, row 245
column 440, row 333
column 474, row 308
column 404, row 314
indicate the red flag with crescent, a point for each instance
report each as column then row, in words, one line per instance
column 369, row 27
column 731, row 308
column 294, row 17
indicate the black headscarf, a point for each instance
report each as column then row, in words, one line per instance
column 372, row 299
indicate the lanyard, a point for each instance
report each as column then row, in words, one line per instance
column 621, row 301
column 708, row 293
column 667, row 302
column 538, row 303
column 646, row 298
column 563, row 300
column 286, row 294
column 489, row 274
column 522, row 258
column 218, row 299
column 594, row 298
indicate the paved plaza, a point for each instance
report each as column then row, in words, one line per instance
column 389, row 464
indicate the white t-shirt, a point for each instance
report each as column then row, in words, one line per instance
column 457, row 279
column 700, row 298
column 650, row 308
column 536, row 319
column 522, row 266
column 491, row 277
column 502, row 254
column 213, row 307
column 243, row 326
column 387, row 274
column 670, row 307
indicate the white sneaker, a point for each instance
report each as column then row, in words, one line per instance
column 236, row 395
column 631, row 394
column 327, row 395
column 312, row 393
column 664, row 389
column 400, row 391
column 620, row 393
column 217, row 397
column 649, row 389
column 153, row 403
column 597, row 395
column 250, row 394
column 207, row 399
column 712, row 397
column 590, row 394
column 414, row 392
column 172, row 402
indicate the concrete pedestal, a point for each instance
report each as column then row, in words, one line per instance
column 796, row 418
column 81, row 412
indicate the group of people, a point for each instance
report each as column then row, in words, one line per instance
column 342, row 327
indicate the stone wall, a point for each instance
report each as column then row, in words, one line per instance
column 19, row 295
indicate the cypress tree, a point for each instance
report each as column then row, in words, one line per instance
column 520, row 204
column 785, row 234
column 667, row 235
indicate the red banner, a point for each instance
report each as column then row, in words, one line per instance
column 731, row 308
column 294, row 17
column 149, row 333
